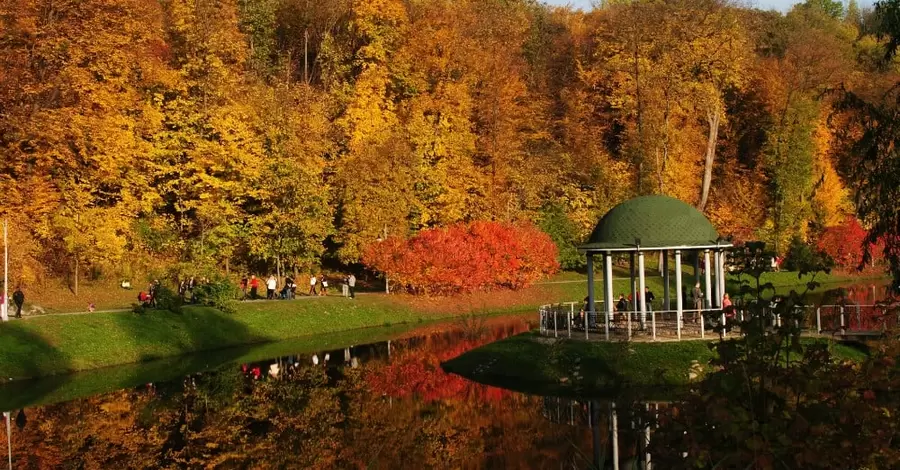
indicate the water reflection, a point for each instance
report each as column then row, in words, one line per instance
column 381, row 405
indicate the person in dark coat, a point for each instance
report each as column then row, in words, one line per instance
column 18, row 299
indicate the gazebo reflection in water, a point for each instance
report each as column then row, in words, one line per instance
column 620, row 431
column 674, row 231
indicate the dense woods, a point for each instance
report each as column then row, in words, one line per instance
column 254, row 133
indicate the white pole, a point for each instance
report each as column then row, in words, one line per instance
column 609, row 292
column 708, row 301
column 679, row 302
column 723, row 259
column 716, row 301
column 615, row 436
column 7, row 415
column 641, row 286
column 4, row 311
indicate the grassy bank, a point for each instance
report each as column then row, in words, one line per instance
column 45, row 345
column 530, row 363
column 57, row 344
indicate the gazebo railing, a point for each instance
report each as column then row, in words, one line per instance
column 568, row 320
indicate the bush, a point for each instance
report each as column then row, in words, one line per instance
column 219, row 293
column 846, row 243
column 166, row 299
column 464, row 258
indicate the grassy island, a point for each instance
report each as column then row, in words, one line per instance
column 532, row 363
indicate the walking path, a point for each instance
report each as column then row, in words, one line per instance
column 122, row 310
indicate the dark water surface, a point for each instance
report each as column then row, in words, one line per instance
column 386, row 404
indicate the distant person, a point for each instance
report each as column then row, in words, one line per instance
column 648, row 295
column 154, row 291
column 697, row 294
column 245, row 283
column 312, row 285
column 324, row 290
column 351, row 283
column 192, row 283
column 91, row 308
column 271, row 285
column 126, row 285
column 18, row 298
column 622, row 304
column 254, row 287
column 288, row 293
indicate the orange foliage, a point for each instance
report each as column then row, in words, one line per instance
column 465, row 258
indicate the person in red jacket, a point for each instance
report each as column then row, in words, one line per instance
column 254, row 287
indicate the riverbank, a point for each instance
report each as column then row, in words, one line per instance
column 535, row 364
column 47, row 345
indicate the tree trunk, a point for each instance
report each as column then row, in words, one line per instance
column 713, row 118
column 76, row 276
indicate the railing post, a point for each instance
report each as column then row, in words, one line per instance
column 653, row 322
column 587, row 323
column 702, row 324
column 541, row 322
column 818, row 320
column 571, row 314
column 724, row 326
column 555, row 328
column 629, row 325
column 843, row 330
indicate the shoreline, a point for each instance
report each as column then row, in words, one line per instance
column 52, row 344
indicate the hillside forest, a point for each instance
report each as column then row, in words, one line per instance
column 254, row 134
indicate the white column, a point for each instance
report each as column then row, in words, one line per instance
column 717, row 299
column 590, row 281
column 679, row 301
column 708, row 301
column 609, row 291
column 615, row 436
column 641, row 285
column 722, row 283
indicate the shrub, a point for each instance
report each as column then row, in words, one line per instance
column 219, row 293
column 464, row 258
column 846, row 243
column 166, row 299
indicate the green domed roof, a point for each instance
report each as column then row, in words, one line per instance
column 658, row 221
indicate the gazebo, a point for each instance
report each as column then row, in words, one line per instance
column 654, row 224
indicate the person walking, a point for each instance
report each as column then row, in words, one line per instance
column 351, row 282
column 254, row 287
column 18, row 298
column 244, row 284
column 271, row 285
column 697, row 294
column 324, row 290
column 154, row 291
column 312, row 284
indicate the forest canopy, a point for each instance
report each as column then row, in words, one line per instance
column 246, row 133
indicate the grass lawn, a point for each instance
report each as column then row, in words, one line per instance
column 56, row 344
column 530, row 363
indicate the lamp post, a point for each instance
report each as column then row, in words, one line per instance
column 381, row 238
column 4, row 309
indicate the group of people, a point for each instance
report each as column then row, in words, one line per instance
column 318, row 286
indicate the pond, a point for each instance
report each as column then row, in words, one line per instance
column 386, row 404
column 371, row 398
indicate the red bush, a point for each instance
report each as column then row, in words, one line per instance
column 465, row 258
column 845, row 243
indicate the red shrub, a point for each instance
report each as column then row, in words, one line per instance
column 465, row 258
column 845, row 243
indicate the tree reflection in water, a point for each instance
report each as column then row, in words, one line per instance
column 397, row 409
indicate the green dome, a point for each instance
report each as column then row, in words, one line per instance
column 658, row 221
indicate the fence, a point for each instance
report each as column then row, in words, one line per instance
column 564, row 320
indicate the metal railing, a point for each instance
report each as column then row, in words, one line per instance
column 564, row 320
column 568, row 320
